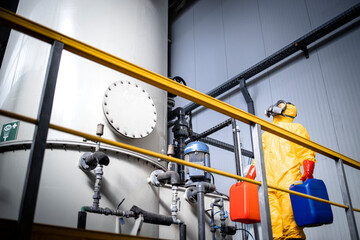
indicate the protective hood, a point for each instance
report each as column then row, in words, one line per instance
column 288, row 115
column 290, row 110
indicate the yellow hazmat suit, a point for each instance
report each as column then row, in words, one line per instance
column 282, row 163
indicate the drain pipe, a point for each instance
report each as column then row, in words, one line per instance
column 224, row 230
column 212, row 217
column 174, row 204
column 159, row 178
column 135, row 212
column 182, row 231
column 196, row 193
column 175, row 200
column 87, row 162
column 222, row 219
column 181, row 133
column 202, row 188
column 218, row 202
column 246, row 94
column 98, row 177
column 81, row 224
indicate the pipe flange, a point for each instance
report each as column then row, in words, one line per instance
column 190, row 195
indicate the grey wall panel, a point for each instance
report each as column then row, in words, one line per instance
column 210, row 59
column 339, row 62
column 244, row 48
column 321, row 11
column 340, row 68
column 224, row 161
column 182, row 51
column 253, row 30
column 243, row 36
column 209, row 51
column 282, row 22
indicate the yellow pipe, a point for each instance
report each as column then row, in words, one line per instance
column 161, row 156
column 103, row 58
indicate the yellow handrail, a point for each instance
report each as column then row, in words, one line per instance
column 161, row 156
column 48, row 35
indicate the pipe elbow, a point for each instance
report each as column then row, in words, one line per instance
column 205, row 187
column 89, row 161
column 101, row 158
column 174, row 177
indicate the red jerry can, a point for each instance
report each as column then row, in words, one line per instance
column 244, row 203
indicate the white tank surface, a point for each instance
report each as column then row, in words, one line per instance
column 134, row 30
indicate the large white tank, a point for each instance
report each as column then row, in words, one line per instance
column 134, row 30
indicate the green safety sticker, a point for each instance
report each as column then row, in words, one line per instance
column 9, row 131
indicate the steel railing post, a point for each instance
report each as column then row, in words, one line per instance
column 354, row 234
column 32, row 179
column 266, row 229
column 237, row 148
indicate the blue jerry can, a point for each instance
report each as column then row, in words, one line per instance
column 308, row 212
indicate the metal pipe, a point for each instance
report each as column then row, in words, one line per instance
column 174, row 204
column 210, row 131
column 81, row 220
column 237, row 148
column 200, row 211
column 108, row 211
column 212, row 217
column 222, row 219
column 219, row 202
column 152, row 218
column 181, row 133
column 238, row 156
column 201, row 189
column 182, row 231
column 212, row 224
column 169, row 175
column 215, row 143
column 298, row 45
column 250, row 105
column 224, row 146
column 246, row 94
column 97, row 187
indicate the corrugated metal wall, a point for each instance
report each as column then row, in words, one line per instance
column 215, row 40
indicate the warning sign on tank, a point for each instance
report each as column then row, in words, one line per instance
column 9, row 131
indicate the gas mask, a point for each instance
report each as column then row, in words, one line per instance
column 274, row 110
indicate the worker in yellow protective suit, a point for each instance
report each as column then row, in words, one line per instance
column 282, row 163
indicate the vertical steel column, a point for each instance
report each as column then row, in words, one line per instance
column 237, row 147
column 263, row 189
column 238, row 158
column 32, row 180
column 347, row 199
